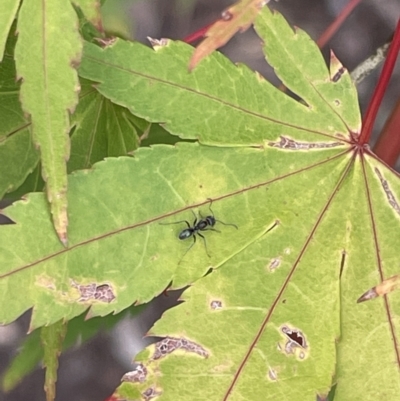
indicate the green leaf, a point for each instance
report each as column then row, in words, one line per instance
column 8, row 12
column 232, row 106
column 101, row 129
column 299, row 64
column 78, row 329
column 52, row 274
column 52, row 338
column 44, row 55
column 91, row 10
column 33, row 183
column 17, row 154
column 283, row 312
column 18, row 158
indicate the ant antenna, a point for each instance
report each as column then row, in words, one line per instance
column 219, row 221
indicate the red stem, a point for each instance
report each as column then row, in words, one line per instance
column 372, row 111
column 388, row 145
column 197, row 34
column 336, row 24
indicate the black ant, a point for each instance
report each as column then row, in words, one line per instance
column 204, row 224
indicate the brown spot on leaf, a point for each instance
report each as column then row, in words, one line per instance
column 92, row 291
column 171, row 344
column 336, row 68
column 105, row 42
column 290, row 144
column 274, row 264
column 338, row 74
column 156, row 43
column 388, row 191
column 272, row 374
column 138, row 375
column 216, row 304
column 370, row 294
column 151, row 393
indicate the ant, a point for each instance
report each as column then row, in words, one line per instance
column 204, row 224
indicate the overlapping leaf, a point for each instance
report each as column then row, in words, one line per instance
column 7, row 14
column 237, row 18
column 44, row 56
column 52, row 338
column 91, row 10
column 17, row 154
column 101, row 129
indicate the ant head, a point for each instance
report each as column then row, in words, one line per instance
column 210, row 220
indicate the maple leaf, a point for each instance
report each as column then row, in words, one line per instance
column 271, row 308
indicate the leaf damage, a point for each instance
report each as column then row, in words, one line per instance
column 216, row 304
column 150, row 393
column 393, row 202
column 294, row 342
column 383, row 288
column 138, row 375
column 337, row 71
column 172, row 344
column 290, row 144
column 94, row 291
column 272, row 374
column 274, row 264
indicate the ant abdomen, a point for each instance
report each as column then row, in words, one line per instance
column 186, row 233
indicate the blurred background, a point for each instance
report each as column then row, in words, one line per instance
column 90, row 371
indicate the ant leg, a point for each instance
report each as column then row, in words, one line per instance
column 176, row 222
column 187, row 250
column 219, row 221
column 212, row 229
column 205, row 244
column 190, row 247
column 228, row 224
column 195, row 220
column 209, row 206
